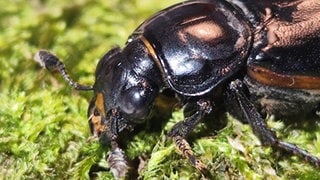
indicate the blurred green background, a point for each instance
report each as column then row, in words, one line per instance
column 43, row 125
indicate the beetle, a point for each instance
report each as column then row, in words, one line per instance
column 251, row 57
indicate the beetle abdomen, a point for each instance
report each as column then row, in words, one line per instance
column 281, row 101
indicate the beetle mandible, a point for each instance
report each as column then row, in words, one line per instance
column 259, row 57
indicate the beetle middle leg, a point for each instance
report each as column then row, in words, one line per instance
column 183, row 128
column 245, row 109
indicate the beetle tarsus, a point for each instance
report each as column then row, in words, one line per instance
column 117, row 163
column 300, row 152
column 183, row 146
column 259, row 127
column 52, row 63
column 182, row 129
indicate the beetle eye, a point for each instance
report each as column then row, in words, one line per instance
column 135, row 102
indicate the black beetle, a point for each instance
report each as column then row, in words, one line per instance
column 259, row 57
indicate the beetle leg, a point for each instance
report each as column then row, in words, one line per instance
column 117, row 161
column 182, row 129
column 266, row 136
column 107, row 132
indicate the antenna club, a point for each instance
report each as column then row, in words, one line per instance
column 48, row 60
column 52, row 63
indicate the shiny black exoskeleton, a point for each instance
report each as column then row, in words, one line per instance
column 260, row 57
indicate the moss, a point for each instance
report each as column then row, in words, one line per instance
column 44, row 131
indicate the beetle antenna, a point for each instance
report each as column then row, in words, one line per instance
column 52, row 63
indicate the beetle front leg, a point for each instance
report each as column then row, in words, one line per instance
column 107, row 132
column 116, row 157
column 246, row 110
column 117, row 161
column 183, row 128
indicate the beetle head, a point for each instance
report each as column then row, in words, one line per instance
column 122, row 96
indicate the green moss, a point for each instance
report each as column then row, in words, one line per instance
column 44, row 131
